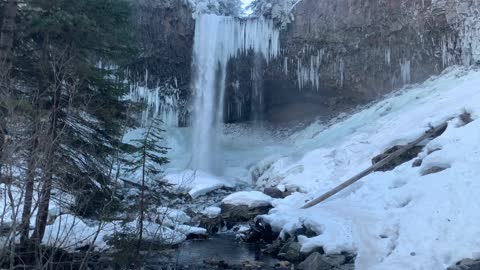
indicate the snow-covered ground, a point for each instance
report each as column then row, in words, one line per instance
column 393, row 220
column 397, row 219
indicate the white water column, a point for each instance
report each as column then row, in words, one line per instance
column 217, row 40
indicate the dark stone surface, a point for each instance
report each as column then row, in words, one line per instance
column 355, row 37
column 238, row 213
column 407, row 156
column 432, row 170
column 291, row 251
column 274, row 192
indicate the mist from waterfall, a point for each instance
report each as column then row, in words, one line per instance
column 217, row 40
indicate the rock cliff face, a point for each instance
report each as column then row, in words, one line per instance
column 337, row 54
column 164, row 34
column 341, row 53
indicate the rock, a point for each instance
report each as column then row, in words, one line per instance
column 260, row 231
column 316, row 261
column 335, row 259
column 273, row 248
column 238, row 213
column 274, row 192
column 291, row 252
column 283, row 265
column 212, row 225
column 252, row 265
column 432, row 170
column 409, row 155
column 349, row 266
column 306, row 231
column 466, row 264
column 417, row 163
column 466, row 118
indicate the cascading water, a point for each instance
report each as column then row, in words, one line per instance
column 217, row 40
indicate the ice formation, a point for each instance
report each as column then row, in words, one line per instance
column 309, row 74
column 405, row 71
column 217, row 40
column 160, row 102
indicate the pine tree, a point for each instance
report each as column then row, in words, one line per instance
column 69, row 61
column 148, row 157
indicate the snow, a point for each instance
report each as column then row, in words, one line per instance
column 186, row 230
column 174, row 215
column 196, row 183
column 71, row 232
column 397, row 219
column 248, row 198
column 212, row 211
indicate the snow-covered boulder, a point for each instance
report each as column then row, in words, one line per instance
column 248, row 198
column 245, row 205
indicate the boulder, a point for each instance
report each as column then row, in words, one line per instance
column 274, row 192
column 291, row 251
column 240, row 213
column 317, row 261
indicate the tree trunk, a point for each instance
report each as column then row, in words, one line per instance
column 7, row 32
column 42, row 216
column 28, row 201
column 142, row 203
column 6, row 45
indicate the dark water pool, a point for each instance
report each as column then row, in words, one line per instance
column 204, row 254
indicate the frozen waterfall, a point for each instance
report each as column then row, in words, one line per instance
column 217, row 40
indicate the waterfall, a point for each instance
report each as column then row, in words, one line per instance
column 217, row 40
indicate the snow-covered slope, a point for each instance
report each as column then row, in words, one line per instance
column 397, row 219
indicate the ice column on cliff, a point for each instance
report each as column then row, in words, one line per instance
column 217, row 40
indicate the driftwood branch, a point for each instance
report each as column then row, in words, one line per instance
column 434, row 131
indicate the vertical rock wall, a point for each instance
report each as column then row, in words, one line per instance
column 341, row 53
column 337, row 54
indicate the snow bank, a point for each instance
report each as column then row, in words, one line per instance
column 397, row 219
column 248, row 198
column 196, row 183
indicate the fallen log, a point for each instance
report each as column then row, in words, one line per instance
column 433, row 132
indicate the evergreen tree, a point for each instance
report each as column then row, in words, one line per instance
column 69, row 61
column 148, row 157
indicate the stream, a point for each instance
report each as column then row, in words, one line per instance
column 220, row 251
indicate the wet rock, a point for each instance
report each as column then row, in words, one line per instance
column 273, row 248
column 466, row 264
column 240, row 213
column 291, row 252
column 274, row 192
column 260, row 231
column 283, row 265
column 252, row 265
column 349, row 266
column 212, row 225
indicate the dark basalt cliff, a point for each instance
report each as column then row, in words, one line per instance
column 341, row 53
column 164, row 32
column 337, row 54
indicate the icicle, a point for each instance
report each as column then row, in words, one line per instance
column 405, row 71
column 387, row 56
